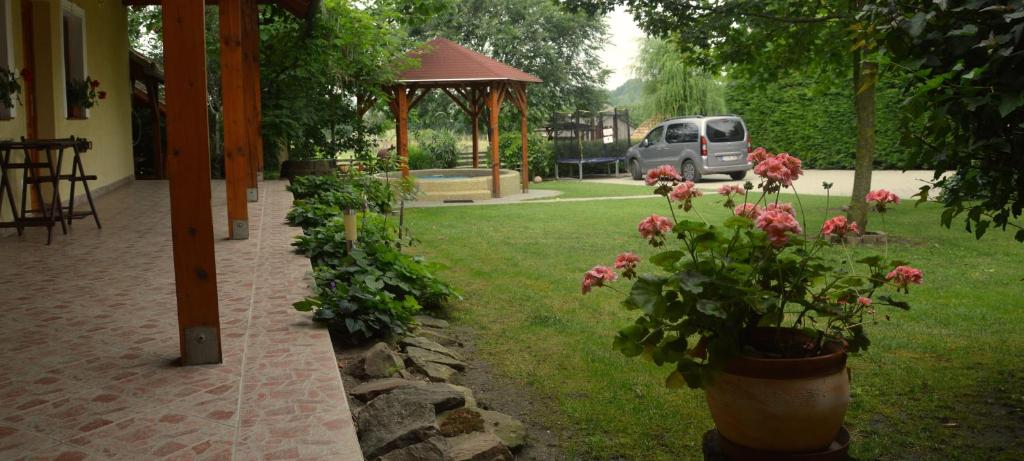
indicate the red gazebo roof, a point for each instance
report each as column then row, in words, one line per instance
column 443, row 60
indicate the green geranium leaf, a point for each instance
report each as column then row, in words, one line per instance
column 667, row 259
column 692, row 282
column 690, row 226
column 738, row 222
column 646, row 294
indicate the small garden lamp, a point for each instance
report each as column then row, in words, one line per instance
column 350, row 228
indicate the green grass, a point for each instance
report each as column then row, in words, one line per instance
column 943, row 381
column 584, row 189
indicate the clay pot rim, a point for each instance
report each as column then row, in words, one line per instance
column 797, row 368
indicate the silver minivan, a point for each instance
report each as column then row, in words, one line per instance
column 696, row 145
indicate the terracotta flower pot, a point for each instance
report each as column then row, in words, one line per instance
column 781, row 405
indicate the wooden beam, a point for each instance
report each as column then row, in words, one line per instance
column 237, row 151
column 476, row 139
column 520, row 92
column 188, row 136
column 493, row 107
column 402, row 127
column 251, row 83
column 299, row 8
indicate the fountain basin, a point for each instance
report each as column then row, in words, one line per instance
column 463, row 183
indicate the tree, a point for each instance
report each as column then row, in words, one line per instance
column 672, row 86
column 537, row 36
column 965, row 108
column 761, row 40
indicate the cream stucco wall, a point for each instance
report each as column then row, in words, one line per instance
column 108, row 125
column 14, row 128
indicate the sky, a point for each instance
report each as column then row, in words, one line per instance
column 623, row 43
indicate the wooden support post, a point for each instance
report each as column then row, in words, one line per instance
column 493, row 107
column 251, row 81
column 237, row 151
column 476, row 138
column 188, row 165
column 523, row 131
column 402, row 127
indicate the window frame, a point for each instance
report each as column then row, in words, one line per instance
column 695, row 132
column 7, row 22
column 78, row 13
column 660, row 129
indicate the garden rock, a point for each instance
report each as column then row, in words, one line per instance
column 420, row 356
column 432, row 322
column 467, row 393
column 478, row 446
column 381, row 362
column 439, row 395
column 433, row 371
column 391, row 422
column 511, row 431
column 460, row 421
column 371, row 389
column 439, row 337
column 424, row 343
column 434, row 449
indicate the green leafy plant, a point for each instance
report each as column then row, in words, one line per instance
column 84, row 94
column 539, row 150
column 10, row 89
column 719, row 283
column 440, row 146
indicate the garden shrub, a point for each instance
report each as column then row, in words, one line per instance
column 419, row 160
column 441, row 146
column 818, row 125
column 307, row 186
column 540, row 152
column 375, row 289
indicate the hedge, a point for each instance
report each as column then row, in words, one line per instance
column 818, row 126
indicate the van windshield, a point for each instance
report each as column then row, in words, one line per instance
column 725, row 130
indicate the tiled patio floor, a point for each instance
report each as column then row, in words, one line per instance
column 88, row 337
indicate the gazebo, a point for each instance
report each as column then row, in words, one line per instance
column 474, row 82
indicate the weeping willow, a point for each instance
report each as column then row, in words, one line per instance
column 674, row 87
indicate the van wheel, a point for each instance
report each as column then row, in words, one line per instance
column 738, row 175
column 634, row 169
column 690, row 172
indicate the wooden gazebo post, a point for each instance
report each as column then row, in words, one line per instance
column 238, row 172
column 494, row 96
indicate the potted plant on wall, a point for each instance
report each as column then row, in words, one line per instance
column 10, row 89
column 754, row 310
column 83, row 95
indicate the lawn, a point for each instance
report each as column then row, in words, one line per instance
column 580, row 189
column 942, row 381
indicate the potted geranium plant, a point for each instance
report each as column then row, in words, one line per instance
column 82, row 95
column 754, row 309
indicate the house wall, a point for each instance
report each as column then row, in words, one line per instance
column 109, row 123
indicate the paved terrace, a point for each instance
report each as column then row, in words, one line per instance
column 88, row 337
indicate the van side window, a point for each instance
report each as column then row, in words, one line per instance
column 681, row 132
column 725, row 130
column 654, row 136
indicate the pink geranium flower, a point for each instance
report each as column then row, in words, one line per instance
column 880, row 198
column 747, row 210
column 662, row 173
column 780, row 169
column 627, row 262
column 778, row 224
column 759, row 155
column 902, row 276
column 784, row 207
column 864, row 301
column 597, row 277
column 654, row 227
column 728, row 190
column 685, row 193
column 840, row 226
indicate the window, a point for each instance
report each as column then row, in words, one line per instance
column 682, row 132
column 7, row 54
column 654, row 136
column 75, row 74
column 726, row 130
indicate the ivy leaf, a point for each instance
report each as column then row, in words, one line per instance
column 965, row 31
column 1009, row 103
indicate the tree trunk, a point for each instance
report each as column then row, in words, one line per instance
column 865, row 76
